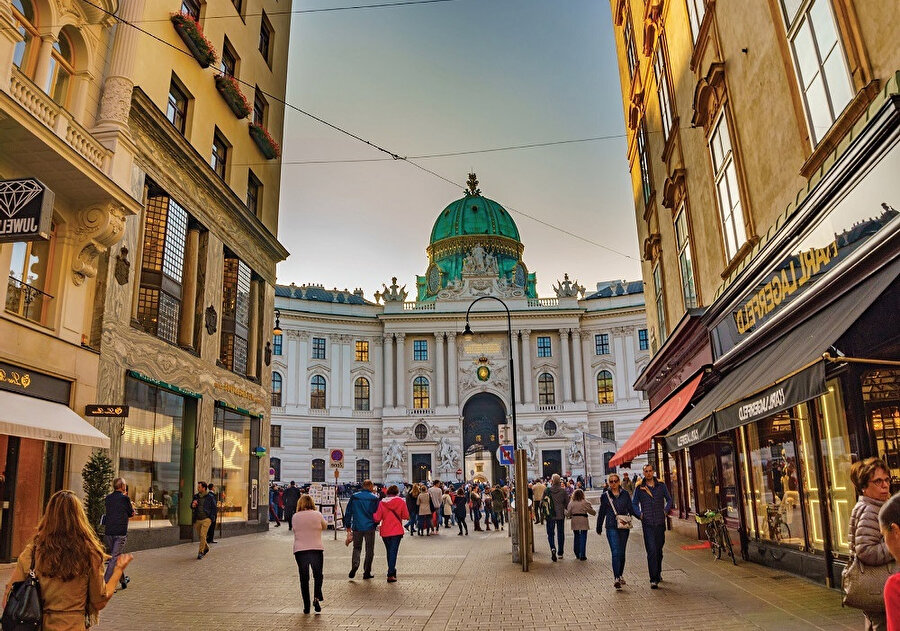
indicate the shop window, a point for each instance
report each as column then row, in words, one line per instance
column 605, row 394
column 881, row 395
column 546, row 389
column 276, row 389
column 277, row 341
column 690, row 502
column 809, row 475
column 254, row 194
column 30, row 271
column 150, row 454
column 361, row 394
column 420, row 350
column 362, row 350
column 234, row 436
column 275, row 436
column 318, row 348
column 318, row 470
column 731, row 211
column 177, row 105
column 601, row 344
column 774, row 470
column 266, row 34
column 543, row 347
column 420, row 393
column 362, row 438
column 62, row 69
column 685, row 259
column 362, row 471
column 318, row 438
column 837, row 455
column 24, row 22
column 235, row 314
column 643, row 341
column 672, row 482
column 317, row 393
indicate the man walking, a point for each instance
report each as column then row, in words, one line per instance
column 559, row 501
column 436, row 496
column 360, row 524
column 651, row 504
column 204, row 506
column 119, row 510
column 211, row 534
column 291, row 497
column 538, row 489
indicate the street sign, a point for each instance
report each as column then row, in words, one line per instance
column 506, row 455
column 111, row 411
column 337, row 458
column 271, row 474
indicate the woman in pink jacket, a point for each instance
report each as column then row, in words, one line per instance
column 391, row 513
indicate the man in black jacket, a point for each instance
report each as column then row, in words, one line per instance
column 211, row 535
column 119, row 510
column 291, row 497
column 204, row 506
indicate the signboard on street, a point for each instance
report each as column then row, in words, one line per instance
column 337, row 458
column 506, row 455
column 26, row 208
column 111, row 411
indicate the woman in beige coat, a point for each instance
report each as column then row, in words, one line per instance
column 424, row 504
column 578, row 510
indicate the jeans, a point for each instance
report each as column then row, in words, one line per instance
column 654, row 539
column 476, row 518
column 202, row 526
column 392, row 547
column 559, row 525
column 580, row 543
column 273, row 513
column 358, row 537
column 307, row 559
column 115, row 544
column 488, row 517
column 618, row 540
column 461, row 522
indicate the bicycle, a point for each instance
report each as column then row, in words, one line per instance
column 717, row 533
column 778, row 528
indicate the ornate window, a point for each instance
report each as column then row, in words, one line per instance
column 550, row 428
column 420, row 350
column 659, row 298
column 361, row 394
column 23, row 21
column 630, row 48
column 421, row 431
column 362, row 350
column 643, row 341
column 275, row 436
column 362, row 438
column 236, row 332
column 420, row 393
column 318, row 348
column 317, row 392
column 685, row 262
column 30, row 271
column 318, row 438
column 605, row 387
column 819, row 62
column 318, row 470
column 176, row 107
column 543, row 347
column 662, row 88
column 254, row 193
column 696, row 11
column 62, row 69
column 644, row 163
column 546, row 391
column 277, row 344
column 276, row 389
column 601, row 344
column 362, row 471
column 730, row 208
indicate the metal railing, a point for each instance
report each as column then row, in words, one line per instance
column 26, row 300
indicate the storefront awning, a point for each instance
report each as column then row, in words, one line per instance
column 749, row 391
column 656, row 422
column 28, row 417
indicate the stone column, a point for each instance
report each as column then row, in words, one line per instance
column 621, row 372
column 9, row 37
column 335, row 385
column 401, row 371
column 527, row 377
column 189, row 289
column 377, row 389
column 577, row 365
column 630, row 363
column 388, row 370
column 346, row 379
column 566, row 371
column 518, row 366
column 253, row 331
column 115, row 101
column 81, row 82
column 452, row 370
column 291, row 383
column 42, row 69
column 302, row 368
column 439, row 369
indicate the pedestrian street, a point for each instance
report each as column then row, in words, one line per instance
column 451, row 582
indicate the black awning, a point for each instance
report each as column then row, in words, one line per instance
column 786, row 370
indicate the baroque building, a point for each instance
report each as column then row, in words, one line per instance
column 763, row 153
column 153, row 128
column 396, row 386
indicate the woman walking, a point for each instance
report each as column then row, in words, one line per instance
column 459, row 510
column 446, row 507
column 390, row 513
column 872, row 480
column 578, row 510
column 67, row 559
column 412, row 507
column 616, row 501
column 488, row 509
column 308, row 524
column 498, row 500
column 423, row 502
column 475, row 496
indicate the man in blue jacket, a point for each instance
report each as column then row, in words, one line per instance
column 651, row 504
column 119, row 510
column 359, row 522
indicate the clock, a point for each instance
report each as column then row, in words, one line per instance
column 483, row 373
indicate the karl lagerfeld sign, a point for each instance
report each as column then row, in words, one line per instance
column 26, row 210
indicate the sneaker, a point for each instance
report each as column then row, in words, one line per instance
column 560, row 556
column 622, row 580
column 553, row 555
column 124, row 582
column 618, row 584
column 199, row 556
column 654, row 585
column 352, row 573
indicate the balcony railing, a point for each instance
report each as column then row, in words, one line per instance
column 317, row 412
column 419, row 411
column 418, row 306
column 26, row 301
column 364, row 413
column 543, row 302
column 550, row 408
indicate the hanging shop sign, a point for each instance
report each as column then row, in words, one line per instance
column 26, row 210
column 33, row 384
column 108, row 411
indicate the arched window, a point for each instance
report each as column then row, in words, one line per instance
column 361, row 394
column 31, row 271
column 605, row 387
column 275, row 463
column 276, row 389
column 23, row 19
column 421, row 431
column 550, row 427
column 546, row 392
column 362, row 471
column 420, row 393
column 318, row 470
column 317, row 393
column 62, row 69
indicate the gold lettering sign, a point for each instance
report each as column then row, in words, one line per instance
column 244, row 394
column 15, row 378
column 482, row 348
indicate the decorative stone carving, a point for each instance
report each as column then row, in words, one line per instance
column 480, row 262
column 448, row 455
column 211, row 320
column 622, row 331
column 123, row 266
column 393, row 455
column 530, row 449
column 393, row 294
column 575, row 455
column 652, row 247
column 267, row 353
column 567, row 289
column 116, row 101
column 709, row 96
column 95, row 231
column 673, row 190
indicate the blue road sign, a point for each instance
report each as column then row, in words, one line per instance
column 506, row 455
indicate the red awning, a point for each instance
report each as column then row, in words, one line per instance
column 656, row 422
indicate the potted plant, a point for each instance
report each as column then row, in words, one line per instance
column 192, row 35
column 230, row 90
column 96, row 478
column 264, row 141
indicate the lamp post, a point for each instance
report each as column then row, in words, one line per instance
column 277, row 330
column 522, row 518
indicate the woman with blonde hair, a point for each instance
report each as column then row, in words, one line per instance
column 68, row 560
column 309, row 552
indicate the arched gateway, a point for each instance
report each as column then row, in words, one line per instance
column 482, row 416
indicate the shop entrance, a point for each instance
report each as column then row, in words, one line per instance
column 421, row 467
column 481, row 437
column 551, row 460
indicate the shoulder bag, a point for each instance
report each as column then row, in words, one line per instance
column 623, row 522
column 863, row 585
column 24, row 609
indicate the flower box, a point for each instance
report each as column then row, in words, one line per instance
column 192, row 35
column 230, row 90
column 264, row 141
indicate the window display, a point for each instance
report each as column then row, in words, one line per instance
column 810, row 470
column 231, row 463
column 752, row 525
column 837, row 454
column 673, row 483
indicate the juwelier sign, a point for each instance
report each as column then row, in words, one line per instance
column 26, row 210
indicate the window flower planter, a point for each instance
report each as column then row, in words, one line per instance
column 264, row 141
column 230, row 90
column 192, row 35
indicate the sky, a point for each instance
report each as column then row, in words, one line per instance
column 461, row 75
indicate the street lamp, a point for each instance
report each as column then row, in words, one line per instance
column 277, row 330
column 522, row 519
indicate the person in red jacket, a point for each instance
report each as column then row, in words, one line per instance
column 391, row 514
column 889, row 520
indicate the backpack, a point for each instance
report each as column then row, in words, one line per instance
column 546, row 507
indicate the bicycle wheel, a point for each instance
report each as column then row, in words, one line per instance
column 717, row 541
column 728, row 547
column 713, row 541
column 784, row 531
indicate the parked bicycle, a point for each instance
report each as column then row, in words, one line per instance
column 778, row 527
column 717, row 533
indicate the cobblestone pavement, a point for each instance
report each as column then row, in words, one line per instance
column 451, row 582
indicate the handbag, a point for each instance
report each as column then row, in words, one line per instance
column 863, row 585
column 623, row 522
column 24, row 609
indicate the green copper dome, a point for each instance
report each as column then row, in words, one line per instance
column 474, row 214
